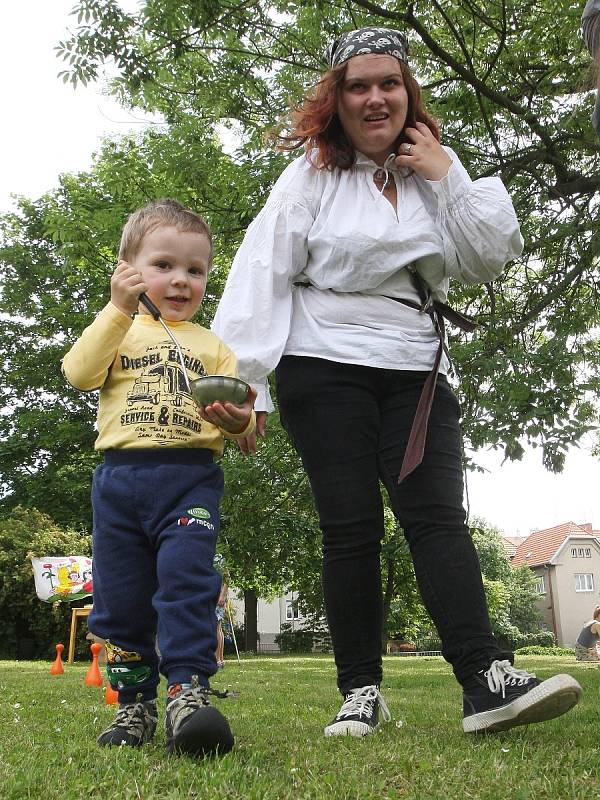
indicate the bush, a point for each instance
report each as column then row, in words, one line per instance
column 428, row 642
column 30, row 628
column 544, row 639
column 300, row 640
column 539, row 650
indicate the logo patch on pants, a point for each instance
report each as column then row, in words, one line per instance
column 186, row 521
column 199, row 513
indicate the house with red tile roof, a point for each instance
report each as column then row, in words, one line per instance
column 566, row 563
column 511, row 543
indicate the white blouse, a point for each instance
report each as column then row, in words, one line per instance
column 335, row 231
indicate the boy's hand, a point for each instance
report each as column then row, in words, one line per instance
column 229, row 417
column 126, row 286
column 247, row 444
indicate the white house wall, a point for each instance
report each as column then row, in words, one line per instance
column 573, row 608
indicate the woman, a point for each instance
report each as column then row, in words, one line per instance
column 586, row 647
column 357, row 237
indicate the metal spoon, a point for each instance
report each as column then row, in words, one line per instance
column 156, row 314
column 210, row 388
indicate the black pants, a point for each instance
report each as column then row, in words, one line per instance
column 350, row 425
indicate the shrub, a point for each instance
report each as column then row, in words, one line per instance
column 30, row 628
column 300, row 640
column 539, row 650
column 429, row 641
column 544, row 639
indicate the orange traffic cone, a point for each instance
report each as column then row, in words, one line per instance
column 93, row 677
column 57, row 666
column 110, row 696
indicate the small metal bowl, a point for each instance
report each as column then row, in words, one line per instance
column 219, row 388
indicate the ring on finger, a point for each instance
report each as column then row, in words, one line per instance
column 407, row 148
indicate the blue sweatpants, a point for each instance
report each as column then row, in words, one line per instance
column 156, row 523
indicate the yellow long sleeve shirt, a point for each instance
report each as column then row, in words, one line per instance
column 143, row 397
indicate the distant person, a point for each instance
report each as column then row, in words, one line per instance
column 588, row 641
column 590, row 24
column 220, row 613
column 156, row 495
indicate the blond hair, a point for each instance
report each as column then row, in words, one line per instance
column 597, row 612
column 164, row 212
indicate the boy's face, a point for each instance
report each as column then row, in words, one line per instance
column 174, row 265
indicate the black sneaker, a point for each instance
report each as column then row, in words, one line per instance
column 194, row 726
column 503, row 697
column 359, row 714
column 134, row 724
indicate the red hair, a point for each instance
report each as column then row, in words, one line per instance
column 316, row 125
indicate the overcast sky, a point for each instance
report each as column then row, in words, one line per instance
column 52, row 128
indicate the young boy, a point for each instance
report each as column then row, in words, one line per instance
column 156, row 495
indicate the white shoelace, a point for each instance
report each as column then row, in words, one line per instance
column 502, row 674
column 360, row 703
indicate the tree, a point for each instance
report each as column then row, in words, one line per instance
column 511, row 88
column 270, row 538
column 510, row 591
column 513, row 102
column 25, row 533
column 57, row 255
column 404, row 615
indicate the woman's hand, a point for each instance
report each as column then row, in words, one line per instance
column 231, row 418
column 126, row 286
column 424, row 154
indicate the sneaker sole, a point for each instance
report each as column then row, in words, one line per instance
column 349, row 728
column 204, row 734
column 550, row 699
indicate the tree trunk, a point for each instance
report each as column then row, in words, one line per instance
column 250, row 620
column 387, row 601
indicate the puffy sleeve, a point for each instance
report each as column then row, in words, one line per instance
column 478, row 224
column 254, row 314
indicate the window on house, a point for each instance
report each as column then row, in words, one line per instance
column 584, row 582
column 588, row 552
column 574, row 552
column 291, row 610
column 540, row 584
column 580, row 552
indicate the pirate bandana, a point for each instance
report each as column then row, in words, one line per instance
column 365, row 41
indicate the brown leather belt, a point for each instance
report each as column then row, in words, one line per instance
column 438, row 312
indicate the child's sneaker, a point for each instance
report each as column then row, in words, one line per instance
column 194, row 726
column 134, row 724
column 359, row 714
column 503, row 697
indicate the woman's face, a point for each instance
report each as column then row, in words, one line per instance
column 373, row 104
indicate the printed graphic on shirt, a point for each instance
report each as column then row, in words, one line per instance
column 159, row 406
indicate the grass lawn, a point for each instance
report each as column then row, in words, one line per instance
column 48, row 727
